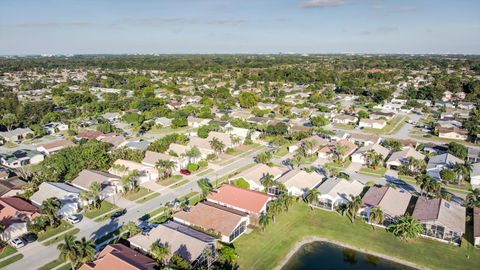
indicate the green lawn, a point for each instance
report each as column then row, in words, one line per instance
column 168, row 181
column 281, row 151
column 49, row 232
column 375, row 172
column 181, row 183
column 339, row 165
column 152, row 214
column 241, row 183
column 411, row 180
column 265, row 250
column 52, row 264
column 133, row 196
column 104, row 208
column 7, row 251
column 60, row 237
column 187, row 196
column 148, row 198
column 393, row 126
column 11, row 260
column 110, row 235
column 344, row 126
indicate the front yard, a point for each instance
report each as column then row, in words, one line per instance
column 49, row 232
column 274, row 244
column 380, row 171
column 93, row 213
column 133, row 196
column 170, row 180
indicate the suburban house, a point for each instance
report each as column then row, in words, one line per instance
column 475, row 175
column 113, row 139
column 317, row 140
column 359, row 155
column 181, row 240
column 17, row 134
column 15, row 214
column 329, row 151
column 473, row 155
column 362, row 139
column 453, row 133
column 254, row 175
column 372, row 123
column 178, row 149
column 203, row 145
column 228, row 223
column 112, row 117
column 335, row 192
column 396, row 159
column 163, row 121
column 344, row 119
column 298, row 182
column 241, row 114
column 196, row 122
column 135, row 144
column 54, row 127
column 338, row 136
column 391, row 201
column 267, row 106
column 243, row 133
column 151, row 159
column 466, row 105
column 120, row 257
column 88, row 135
column 226, row 139
column 476, row 226
column 11, row 186
column 441, row 220
column 21, row 158
column 67, row 194
column 110, row 183
column 249, row 201
column 55, row 146
column 439, row 162
column 382, row 115
column 122, row 167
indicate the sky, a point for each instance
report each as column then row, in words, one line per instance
column 239, row 26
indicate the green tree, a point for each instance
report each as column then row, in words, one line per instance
column 406, row 227
column 165, row 168
column 264, row 157
column 86, row 250
column 50, row 207
column 311, row 197
column 205, row 186
column 353, row 206
column 376, row 216
column 217, row 146
column 9, row 120
column 94, row 191
column 267, row 181
column 69, row 251
column 319, row 121
column 448, row 175
column 264, row 220
column 160, row 252
column 458, row 150
column 193, row 154
column 247, row 100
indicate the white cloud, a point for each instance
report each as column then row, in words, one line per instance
column 321, row 3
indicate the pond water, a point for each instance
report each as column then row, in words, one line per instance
column 325, row 256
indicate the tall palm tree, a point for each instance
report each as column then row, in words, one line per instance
column 287, row 200
column 217, row 146
column 160, row 252
column 84, row 198
column 376, row 216
column 467, row 169
column 353, row 206
column 339, row 150
column 193, row 154
column 406, row 227
column 50, row 208
column 309, row 147
column 458, row 169
column 273, row 209
column 264, row 220
column 428, row 184
column 95, row 191
column 296, row 160
column 267, row 181
column 129, row 182
column 69, row 250
column 235, row 139
column 209, row 254
column 370, row 156
column 86, row 250
column 311, row 197
column 165, row 167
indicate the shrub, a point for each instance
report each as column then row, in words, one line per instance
column 202, row 163
column 192, row 167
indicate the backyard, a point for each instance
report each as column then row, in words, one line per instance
column 274, row 244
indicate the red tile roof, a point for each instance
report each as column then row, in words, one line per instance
column 120, row 257
column 239, row 198
column 19, row 204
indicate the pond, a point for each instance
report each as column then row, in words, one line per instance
column 325, row 256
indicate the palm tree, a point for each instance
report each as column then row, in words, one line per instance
column 217, row 146
column 273, row 209
column 205, row 186
column 458, row 169
column 69, row 250
column 267, row 181
column 160, row 252
column 339, row 150
column 296, row 160
column 235, row 139
column 165, row 167
column 209, row 254
column 264, row 220
column 286, row 200
column 311, row 197
column 370, row 157
column 129, row 182
column 467, row 169
column 193, row 154
column 428, row 184
column 406, row 227
column 309, row 147
column 50, row 207
column 353, row 206
column 376, row 216
column 95, row 191
column 86, row 249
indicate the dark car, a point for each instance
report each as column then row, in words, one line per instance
column 185, row 172
column 118, row 214
column 29, row 237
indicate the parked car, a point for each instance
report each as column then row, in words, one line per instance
column 73, row 219
column 119, row 213
column 17, row 243
column 185, row 172
column 29, row 238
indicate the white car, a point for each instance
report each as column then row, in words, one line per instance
column 17, row 243
column 73, row 219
